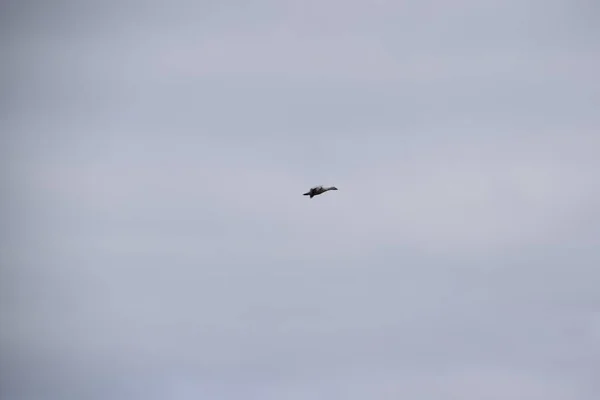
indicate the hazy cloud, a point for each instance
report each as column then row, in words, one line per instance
column 156, row 243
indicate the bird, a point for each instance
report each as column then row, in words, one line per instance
column 317, row 190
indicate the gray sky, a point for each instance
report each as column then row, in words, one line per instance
column 156, row 243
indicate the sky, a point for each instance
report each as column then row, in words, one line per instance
column 155, row 243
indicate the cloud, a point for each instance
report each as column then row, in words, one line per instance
column 157, row 244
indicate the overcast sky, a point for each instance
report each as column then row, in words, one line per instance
column 155, row 243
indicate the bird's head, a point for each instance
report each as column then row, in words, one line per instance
column 333, row 188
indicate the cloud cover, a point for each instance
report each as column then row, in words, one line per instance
column 157, row 245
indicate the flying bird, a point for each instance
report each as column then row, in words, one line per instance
column 317, row 190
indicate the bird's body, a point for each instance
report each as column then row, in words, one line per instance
column 317, row 190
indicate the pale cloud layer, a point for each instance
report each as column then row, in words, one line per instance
column 156, row 242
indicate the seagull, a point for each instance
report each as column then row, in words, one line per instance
column 317, row 190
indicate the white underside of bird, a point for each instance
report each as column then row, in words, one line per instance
column 317, row 190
